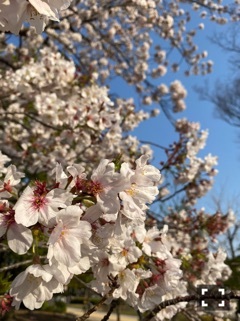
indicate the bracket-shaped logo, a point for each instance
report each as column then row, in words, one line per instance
column 210, row 298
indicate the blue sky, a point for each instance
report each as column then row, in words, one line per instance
column 222, row 140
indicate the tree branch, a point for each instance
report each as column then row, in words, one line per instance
column 110, row 311
column 188, row 298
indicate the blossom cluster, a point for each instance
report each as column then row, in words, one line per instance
column 190, row 234
column 90, row 213
column 82, row 122
column 140, row 41
column 70, row 117
column 93, row 223
column 92, row 217
column 115, row 38
column 190, row 173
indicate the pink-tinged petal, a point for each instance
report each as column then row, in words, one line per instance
column 67, row 236
column 72, row 246
column 43, row 294
column 56, row 233
column 83, row 231
column 150, row 172
column 44, row 9
column 19, row 238
column 130, row 208
column 38, row 271
column 46, row 214
column 31, row 208
column 58, row 198
column 76, row 170
column 67, row 251
column 93, row 213
column 18, row 281
column 27, row 194
column 59, row 271
column 100, row 170
column 29, row 216
column 70, row 216
column 25, row 213
column 30, row 302
column 82, row 266
column 126, row 171
column 57, row 252
column 61, row 176
column 13, row 176
column 109, row 203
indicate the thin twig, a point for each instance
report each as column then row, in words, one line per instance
column 153, row 144
column 15, row 265
column 85, row 285
column 86, row 315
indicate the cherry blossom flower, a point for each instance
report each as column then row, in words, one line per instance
column 106, row 185
column 11, row 179
column 61, row 177
column 102, row 267
column 67, row 236
column 59, row 271
column 215, row 268
column 146, row 173
column 33, row 287
column 152, row 240
column 18, row 236
column 141, row 188
column 124, row 252
column 51, row 70
column 128, row 282
column 39, row 205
